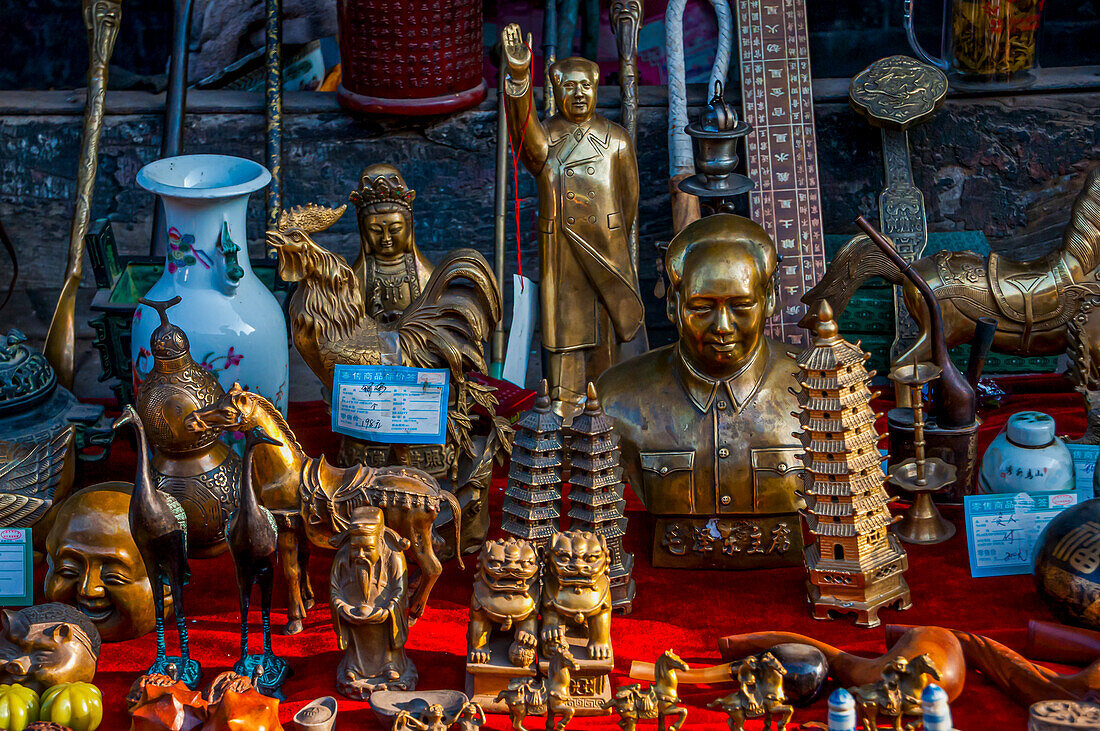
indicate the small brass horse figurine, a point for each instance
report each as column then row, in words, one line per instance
column 759, row 694
column 311, row 499
column 548, row 696
column 659, row 700
column 897, row 694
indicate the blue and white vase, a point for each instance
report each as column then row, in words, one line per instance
column 233, row 322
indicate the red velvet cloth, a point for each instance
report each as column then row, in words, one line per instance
column 684, row 610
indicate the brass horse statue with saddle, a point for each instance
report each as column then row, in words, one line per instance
column 1035, row 303
column 307, row 495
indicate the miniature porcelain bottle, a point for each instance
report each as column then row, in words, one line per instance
column 1027, row 457
column 234, row 324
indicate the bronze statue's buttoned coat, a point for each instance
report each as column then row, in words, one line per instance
column 588, row 199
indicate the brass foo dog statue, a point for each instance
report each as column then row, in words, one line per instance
column 309, row 496
column 446, row 326
column 506, row 595
column 1033, row 302
column 576, row 593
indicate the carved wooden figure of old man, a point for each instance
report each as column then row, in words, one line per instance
column 369, row 599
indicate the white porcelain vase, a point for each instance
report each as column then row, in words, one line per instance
column 233, row 322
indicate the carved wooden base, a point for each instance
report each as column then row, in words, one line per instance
column 827, row 607
column 727, row 542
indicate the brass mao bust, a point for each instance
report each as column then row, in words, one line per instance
column 706, row 424
column 196, row 468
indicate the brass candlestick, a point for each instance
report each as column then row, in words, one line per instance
column 920, row 475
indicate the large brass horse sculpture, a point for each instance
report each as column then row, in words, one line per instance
column 311, row 500
column 1034, row 302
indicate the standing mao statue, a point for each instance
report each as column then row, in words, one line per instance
column 369, row 597
column 588, row 199
column 390, row 268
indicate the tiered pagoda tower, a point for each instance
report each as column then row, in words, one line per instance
column 596, row 492
column 532, row 499
column 855, row 563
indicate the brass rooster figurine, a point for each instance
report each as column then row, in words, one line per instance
column 446, row 326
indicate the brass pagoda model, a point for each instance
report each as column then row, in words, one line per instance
column 596, row 492
column 532, row 499
column 855, row 563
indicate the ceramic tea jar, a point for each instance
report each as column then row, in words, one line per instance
column 234, row 324
column 1067, row 564
column 1027, row 457
column 198, row 469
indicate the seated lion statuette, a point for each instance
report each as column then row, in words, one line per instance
column 576, row 610
column 504, row 617
column 506, row 598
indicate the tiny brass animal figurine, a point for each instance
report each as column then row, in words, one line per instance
column 313, row 501
column 587, row 174
column 759, row 694
column 46, row 645
column 576, row 592
column 469, row 717
column 939, row 644
column 196, row 468
column 159, row 527
column 368, row 593
column 505, row 597
column 897, row 694
column 1032, row 301
column 253, row 541
column 547, row 696
column 94, row 564
column 446, row 326
column 659, row 700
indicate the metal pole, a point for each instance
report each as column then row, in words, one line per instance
column 500, row 205
column 274, row 110
column 549, row 53
column 175, row 105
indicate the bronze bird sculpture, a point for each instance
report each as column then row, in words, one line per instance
column 33, row 478
column 159, row 528
column 253, row 542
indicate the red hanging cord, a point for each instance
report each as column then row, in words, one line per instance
column 515, row 166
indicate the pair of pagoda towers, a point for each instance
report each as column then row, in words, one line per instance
column 586, row 454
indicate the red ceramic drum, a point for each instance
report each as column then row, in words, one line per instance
column 410, row 56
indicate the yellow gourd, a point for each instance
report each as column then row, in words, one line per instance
column 18, row 707
column 76, row 705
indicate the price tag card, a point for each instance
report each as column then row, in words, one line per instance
column 391, row 404
column 16, row 567
column 1084, row 464
column 1002, row 529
